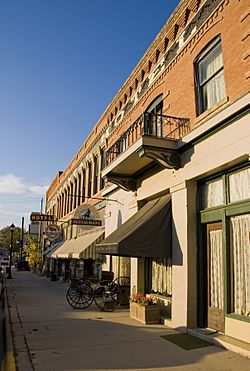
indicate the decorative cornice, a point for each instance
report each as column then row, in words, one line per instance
column 124, row 182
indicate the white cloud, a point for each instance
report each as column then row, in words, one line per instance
column 11, row 184
column 38, row 190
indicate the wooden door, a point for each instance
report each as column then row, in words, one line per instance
column 215, row 279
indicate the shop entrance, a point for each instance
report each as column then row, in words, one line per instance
column 215, row 277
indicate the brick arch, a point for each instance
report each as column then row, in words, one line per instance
column 151, row 97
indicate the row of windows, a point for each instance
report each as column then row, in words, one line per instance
column 209, row 77
column 86, row 185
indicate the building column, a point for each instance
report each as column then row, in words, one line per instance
column 184, row 278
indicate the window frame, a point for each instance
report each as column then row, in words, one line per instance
column 205, row 53
column 222, row 213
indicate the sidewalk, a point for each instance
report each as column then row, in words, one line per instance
column 50, row 335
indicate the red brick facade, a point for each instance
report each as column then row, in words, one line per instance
column 191, row 27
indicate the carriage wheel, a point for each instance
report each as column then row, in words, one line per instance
column 106, row 295
column 79, row 295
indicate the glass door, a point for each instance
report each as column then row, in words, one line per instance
column 215, row 277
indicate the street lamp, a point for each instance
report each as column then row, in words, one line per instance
column 12, row 228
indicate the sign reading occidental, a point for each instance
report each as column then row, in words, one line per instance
column 42, row 218
column 93, row 222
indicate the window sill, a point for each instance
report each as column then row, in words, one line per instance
column 205, row 115
column 238, row 317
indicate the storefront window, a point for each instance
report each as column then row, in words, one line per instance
column 239, row 185
column 162, row 276
column 213, row 193
column 240, row 241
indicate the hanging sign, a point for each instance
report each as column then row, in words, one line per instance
column 42, row 218
column 86, row 222
column 52, row 231
column 86, row 216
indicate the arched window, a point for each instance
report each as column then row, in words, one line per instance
column 153, row 118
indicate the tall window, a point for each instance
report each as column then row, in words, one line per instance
column 103, row 165
column 75, row 194
column 240, row 246
column 71, row 196
column 96, row 174
column 79, row 189
column 89, row 179
column 83, row 185
column 153, row 118
column 209, row 72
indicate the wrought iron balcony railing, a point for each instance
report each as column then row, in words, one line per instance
column 149, row 124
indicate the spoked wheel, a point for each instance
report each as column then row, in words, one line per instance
column 124, row 290
column 106, row 295
column 80, row 295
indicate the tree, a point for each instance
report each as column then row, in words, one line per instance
column 33, row 253
column 5, row 238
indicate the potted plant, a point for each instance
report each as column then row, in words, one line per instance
column 144, row 309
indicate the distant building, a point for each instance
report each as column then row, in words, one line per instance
column 35, row 228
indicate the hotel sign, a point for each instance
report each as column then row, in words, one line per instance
column 42, row 218
column 91, row 222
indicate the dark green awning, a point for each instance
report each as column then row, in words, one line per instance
column 145, row 234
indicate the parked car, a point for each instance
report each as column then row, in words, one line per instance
column 4, row 261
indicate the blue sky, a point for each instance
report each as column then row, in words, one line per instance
column 61, row 64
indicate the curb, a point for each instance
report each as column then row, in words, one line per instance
column 8, row 362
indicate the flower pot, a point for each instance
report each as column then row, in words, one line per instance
column 146, row 314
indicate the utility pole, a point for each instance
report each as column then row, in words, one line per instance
column 40, row 232
column 22, row 233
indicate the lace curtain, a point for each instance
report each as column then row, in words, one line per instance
column 216, row 269
column 241, row 263
column 213, row 193
column 162, row 276
column 121, row 266
column 213, row 83
column 239, row 185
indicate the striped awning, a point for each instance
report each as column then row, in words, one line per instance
column 82, row 247
column 52, row 248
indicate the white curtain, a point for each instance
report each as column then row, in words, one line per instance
column 121, row 266
column 162, row 276
column 216, row 269
column 239, row 185
column 213, row 193
column 214, row 89
column 241, row 263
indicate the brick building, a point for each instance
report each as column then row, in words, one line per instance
column 173, row 147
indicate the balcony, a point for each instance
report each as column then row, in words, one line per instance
column 151, row 138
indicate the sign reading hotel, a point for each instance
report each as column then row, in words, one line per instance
column 86, row 216
column 42, row 218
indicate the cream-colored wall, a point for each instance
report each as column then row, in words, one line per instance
column 218, row 152
column 116, row 213
column 179, row 256
column 237, row 329
column 222, row 150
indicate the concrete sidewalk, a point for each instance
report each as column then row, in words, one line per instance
column 50, row 335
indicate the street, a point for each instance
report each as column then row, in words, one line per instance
column 50, row 335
